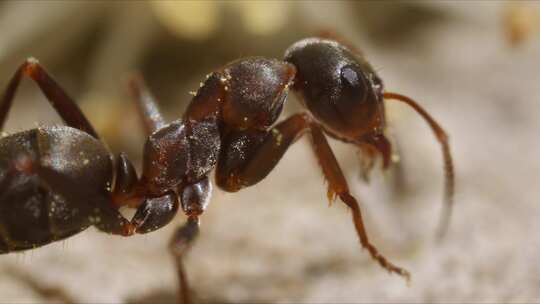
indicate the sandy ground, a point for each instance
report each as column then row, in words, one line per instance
column 279, row 241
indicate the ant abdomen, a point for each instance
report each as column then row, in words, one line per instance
column 53, row 181
column 338, row 87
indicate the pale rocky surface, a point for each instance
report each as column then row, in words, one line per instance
column 279, row 241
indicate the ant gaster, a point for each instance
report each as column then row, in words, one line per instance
column 57, row 181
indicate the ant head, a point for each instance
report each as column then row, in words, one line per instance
column 165, row 158
column 361, row 93
column 338, row 87
column 255, row 90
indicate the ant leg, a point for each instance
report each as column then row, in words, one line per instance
column 62, row 103
column 248, row 156
column 146, row 104
column 179, row 245
column 337, row 185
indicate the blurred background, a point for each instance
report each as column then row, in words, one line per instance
column 473, row 65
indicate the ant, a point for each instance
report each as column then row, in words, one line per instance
column 56, row 181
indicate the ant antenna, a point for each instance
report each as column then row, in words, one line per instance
column 442, row 137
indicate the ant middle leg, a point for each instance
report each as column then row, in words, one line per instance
column 61, row 102
column 179, row 245
column 337, row 185
column 146, row 104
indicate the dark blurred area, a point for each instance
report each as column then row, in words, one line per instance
column 473, row 65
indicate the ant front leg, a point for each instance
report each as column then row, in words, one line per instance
column 248, row 156
column 62, row 103
column 337, row 185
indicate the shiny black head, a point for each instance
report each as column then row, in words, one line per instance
column 338, row 87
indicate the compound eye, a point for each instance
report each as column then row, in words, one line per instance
column 355, row 85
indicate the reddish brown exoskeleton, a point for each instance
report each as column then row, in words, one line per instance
column 57, row 181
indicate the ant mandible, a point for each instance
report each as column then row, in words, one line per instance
column 57, row 181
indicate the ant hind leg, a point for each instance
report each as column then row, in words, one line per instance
column 62, row 103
